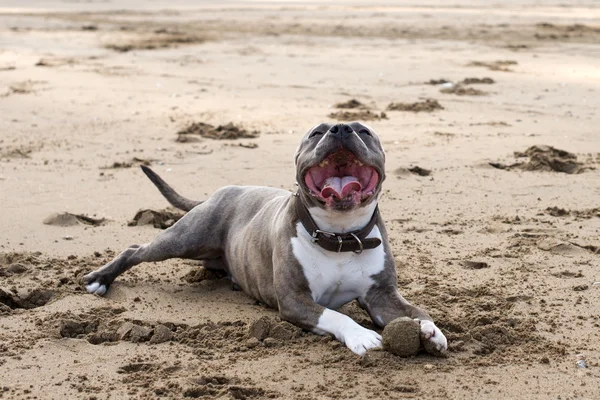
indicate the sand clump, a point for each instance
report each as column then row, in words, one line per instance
column 229, row 131
column 203, row 274
column 545, row 158
column 419, row 171
column 463, row 90
column 16, row 268
column 17, row 152
column 135, row 161
column 364, row 115
column 351, row 104
column 578, row 214
column 428, row 105
column 69, row 219
column 469, row 264
column 23, row 87
column 33, row 299
column 498, row 65
column 436, row 82
column 558, row 32
column 268, row 328
column 465, row 81
column 160, row 219
column 478, row 81
column 415, row 170
column 360, row 112
column 106, row 326
column 159, row 39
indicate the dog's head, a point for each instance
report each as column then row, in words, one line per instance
column 340, row 167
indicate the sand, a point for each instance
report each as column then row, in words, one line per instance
column 499, row 245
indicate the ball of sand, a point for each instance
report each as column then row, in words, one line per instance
column 402, row 337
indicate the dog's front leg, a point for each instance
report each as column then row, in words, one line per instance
column 302, row 311
column 384, row 304
column 297, row 306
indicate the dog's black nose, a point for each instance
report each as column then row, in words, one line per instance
column 342, row 131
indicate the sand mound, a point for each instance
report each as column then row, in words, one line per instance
column 159, row 39
column 266, row 327
column 365, row 115
column 68, row 219
column 579, row 214
column 428, row 105
column 351, row 104
column 416, row 170
column 161, row 219
column 228, row 131
column 16, row 152
column 545, row 158
column 440, row 81
column 462, row 90
column 203, row 274
column 498, row 65
column 477, row 81
column 134, row 162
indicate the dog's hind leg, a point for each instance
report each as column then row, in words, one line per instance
column 188, row 238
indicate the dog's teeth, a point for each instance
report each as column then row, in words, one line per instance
column 324, row 163
column 359, row 163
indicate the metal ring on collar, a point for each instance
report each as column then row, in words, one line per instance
column 360, row 244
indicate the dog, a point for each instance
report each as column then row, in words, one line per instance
column 305, row 253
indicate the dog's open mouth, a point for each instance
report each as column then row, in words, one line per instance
column 342, row 177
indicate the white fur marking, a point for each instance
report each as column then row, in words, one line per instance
column 96, row 288
column 92, row 287
column 101, row 291
column 355, row 337
column 341, row 222
column 433, row 334
column 337, row 278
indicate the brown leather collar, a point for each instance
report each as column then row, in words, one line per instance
column 355, row 241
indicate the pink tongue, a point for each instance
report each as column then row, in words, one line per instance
column 340, row 187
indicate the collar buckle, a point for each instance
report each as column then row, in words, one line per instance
column 315, row 234
column 340, row 240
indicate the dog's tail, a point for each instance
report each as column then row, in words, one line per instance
column 176, row 200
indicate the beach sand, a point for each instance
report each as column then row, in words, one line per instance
column 498, row 239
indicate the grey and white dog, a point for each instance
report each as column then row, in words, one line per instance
column 304, row 254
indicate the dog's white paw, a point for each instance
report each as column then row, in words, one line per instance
column 96, row 288
column 432, row 338
column 357, row 338
column 360, row 339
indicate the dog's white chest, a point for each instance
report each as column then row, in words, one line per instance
column 336, row 278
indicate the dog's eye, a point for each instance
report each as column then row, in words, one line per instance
column 364, row 132
column 316, row 133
